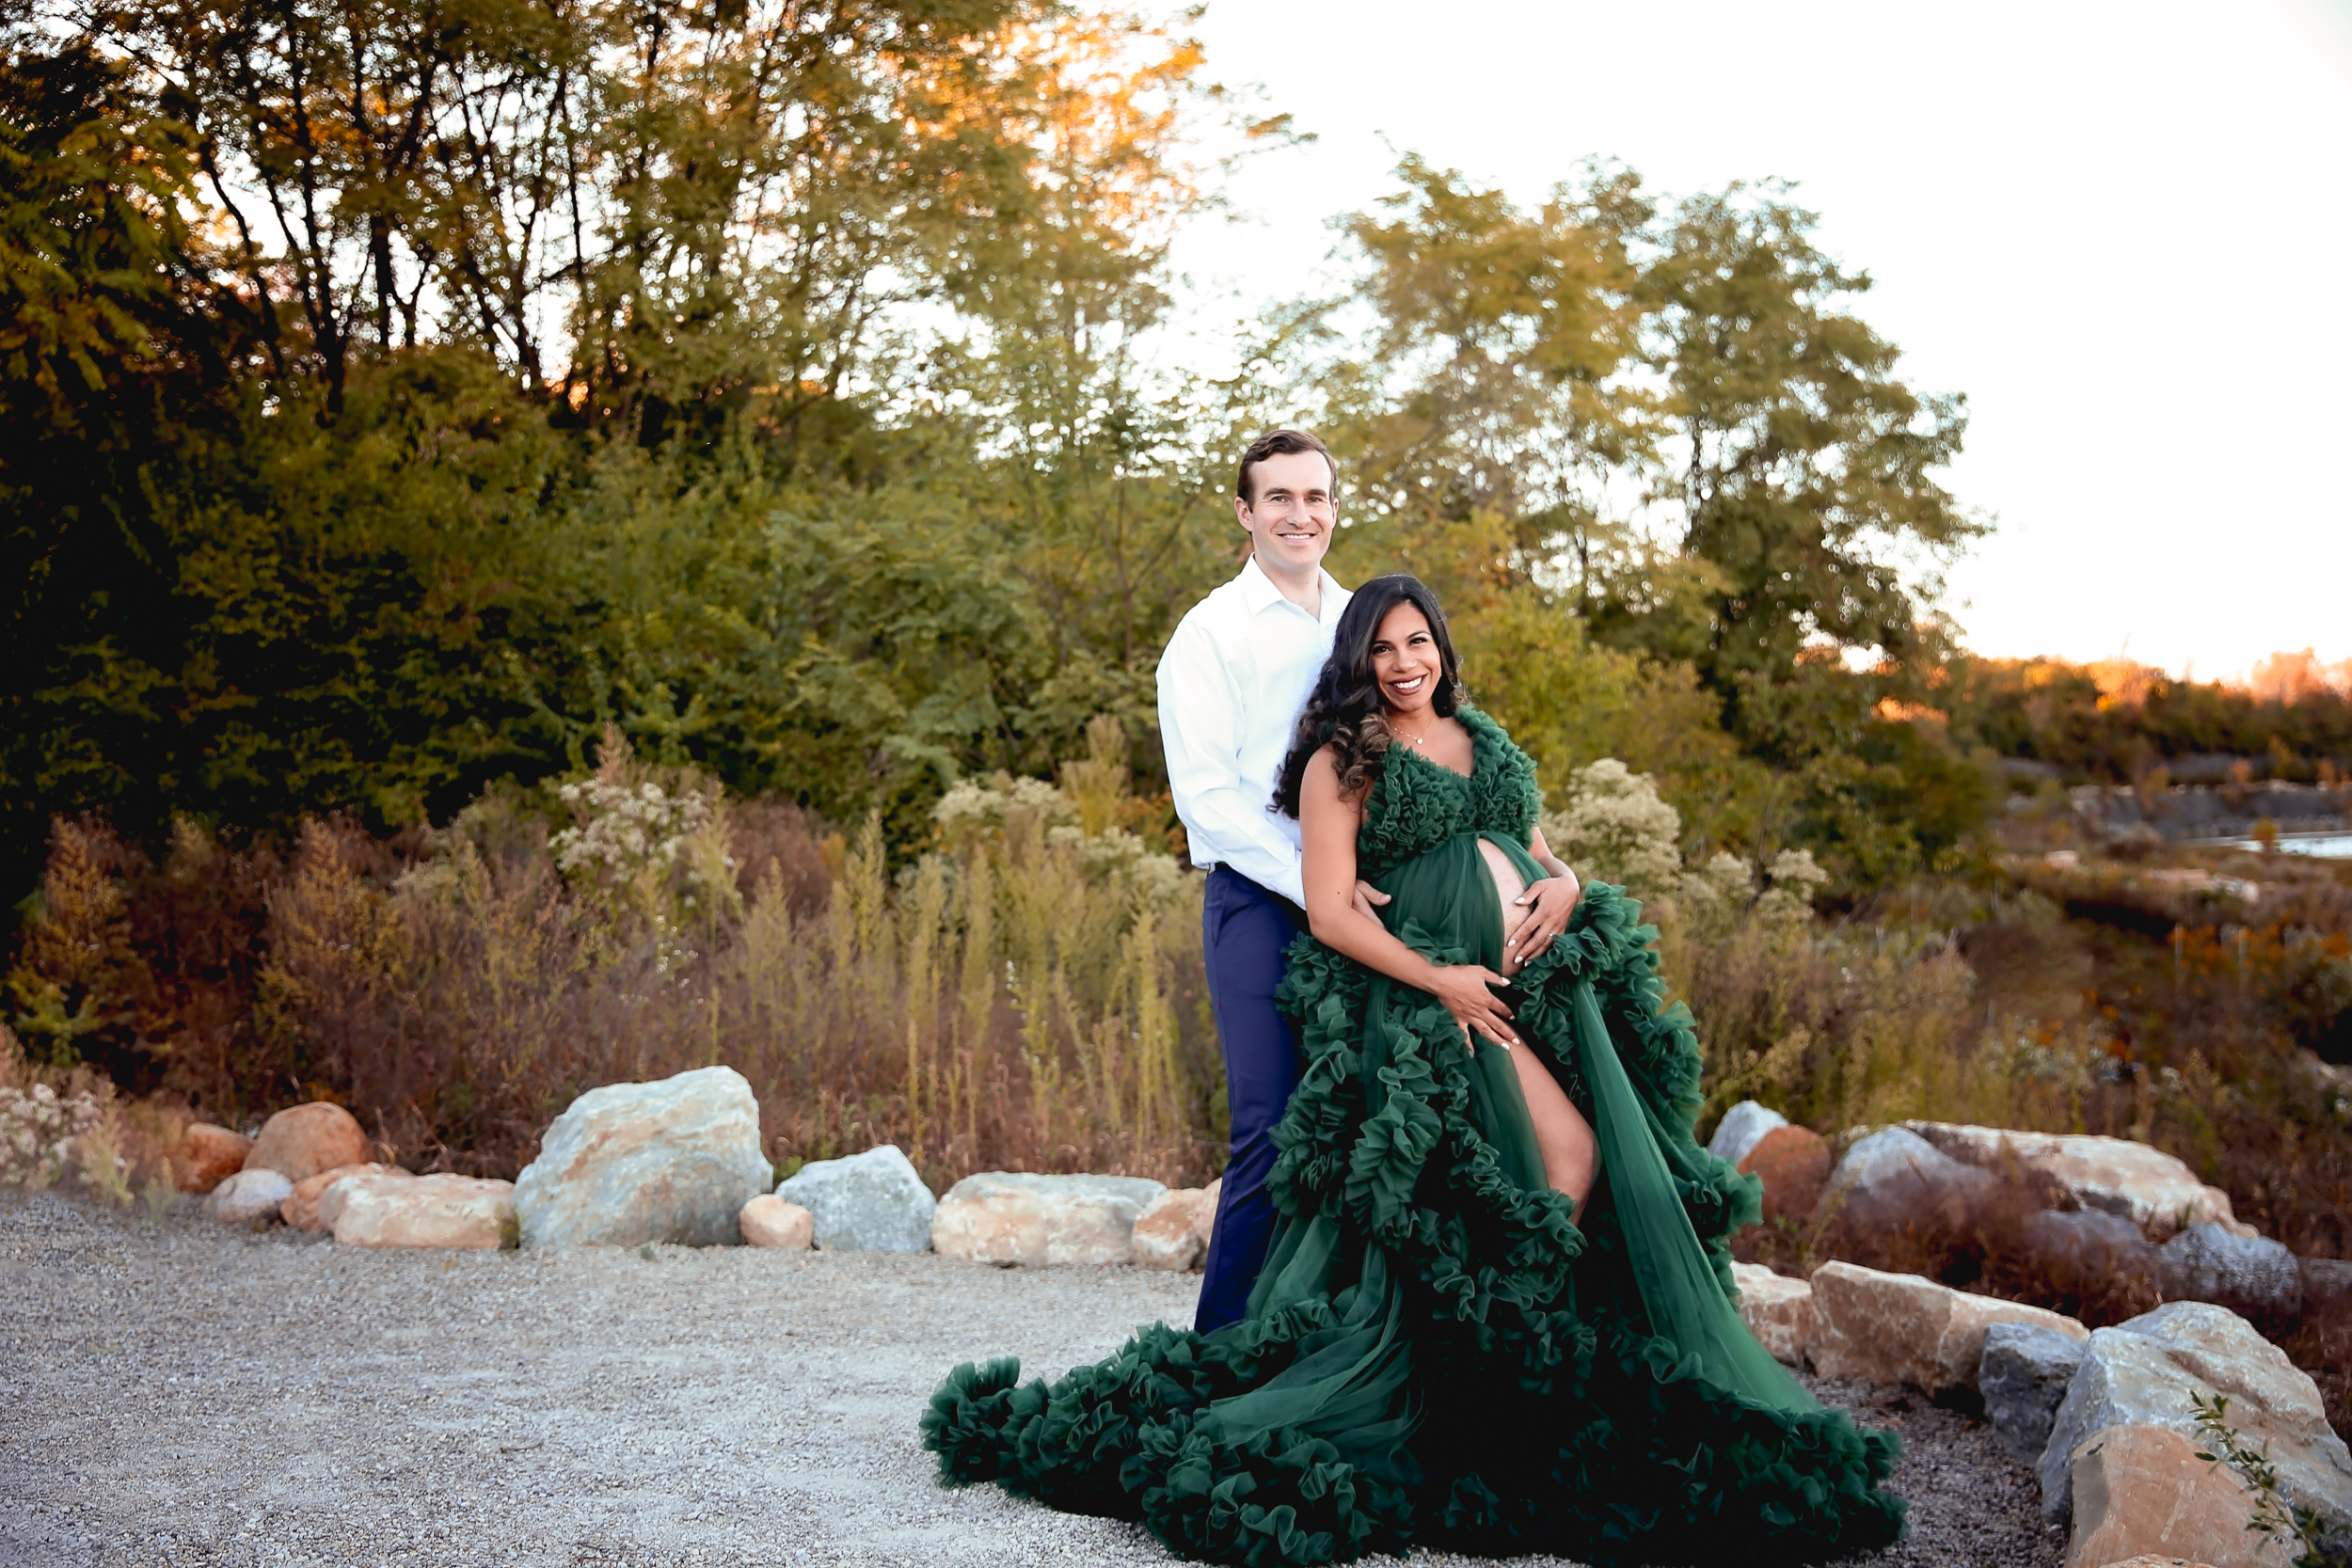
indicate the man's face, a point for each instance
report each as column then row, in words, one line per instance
column 1291, row 519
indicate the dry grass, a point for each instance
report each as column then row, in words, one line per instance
column 1027, row 996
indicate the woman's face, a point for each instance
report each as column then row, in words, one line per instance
column 1404, row 661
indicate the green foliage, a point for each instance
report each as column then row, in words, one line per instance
column 767, row 384
column 2290, row 1524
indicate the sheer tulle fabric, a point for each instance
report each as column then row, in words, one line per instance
column 1433, row 1352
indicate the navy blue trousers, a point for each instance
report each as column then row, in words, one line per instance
column 1244, row 929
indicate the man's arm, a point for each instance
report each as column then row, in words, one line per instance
column 1202, row 720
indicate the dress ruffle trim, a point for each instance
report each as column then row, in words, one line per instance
column 1639, row 1455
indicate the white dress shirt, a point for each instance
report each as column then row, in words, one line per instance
column 1232, row 684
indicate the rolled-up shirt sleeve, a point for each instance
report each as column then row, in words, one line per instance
column 1203, row 713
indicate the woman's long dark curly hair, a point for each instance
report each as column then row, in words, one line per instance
column 1344, row 710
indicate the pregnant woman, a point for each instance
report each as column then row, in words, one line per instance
column 1496, row 1313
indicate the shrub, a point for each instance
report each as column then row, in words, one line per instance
column 69, row 1127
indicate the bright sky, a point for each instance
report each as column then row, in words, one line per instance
column 2124, row 230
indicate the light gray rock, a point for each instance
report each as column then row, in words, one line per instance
column 2023, row 1377
column 251, row 1195
column 2141, row 1373
column 1015, row 1218
column 1894, row 1178
column 2251, row 1275
column 869, row 1202
column 1741, row 1127
column 672, row 1161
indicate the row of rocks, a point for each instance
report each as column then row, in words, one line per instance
column 2104, row 1210
column 877, row 1201
column 2106, row 1418
column 679, row 1160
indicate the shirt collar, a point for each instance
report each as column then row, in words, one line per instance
column 1258, row 591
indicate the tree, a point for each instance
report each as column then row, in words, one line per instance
column 1803, row 468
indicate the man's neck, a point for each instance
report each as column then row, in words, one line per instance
column 1304, row 590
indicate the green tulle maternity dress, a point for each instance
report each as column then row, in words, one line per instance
column 1434, row 1353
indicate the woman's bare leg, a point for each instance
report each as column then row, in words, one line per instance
column 1571, row 1153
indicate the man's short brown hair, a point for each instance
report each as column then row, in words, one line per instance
column 1280, row 443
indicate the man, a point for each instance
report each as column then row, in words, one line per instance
column 1232, row 684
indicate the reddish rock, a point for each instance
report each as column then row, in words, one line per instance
column 1794, row 1162
column 301, row 1208
column 209, row 1155
column 299, row 1143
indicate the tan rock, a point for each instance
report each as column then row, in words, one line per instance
column 1778, row 1309
column 770, row 1221
column 2142, row 1491
column 304, row 1140
column 395, row 1210
column 1794, row 1163
column 1901, row 1328
column 301, row 1208
column 1173, row 1233
column 2115, row 1176
column 1013, row 1218
column 208, row 1156
column 2150, row 1559
column 2145, row 1372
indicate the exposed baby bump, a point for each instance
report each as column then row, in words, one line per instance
column 1509, row 884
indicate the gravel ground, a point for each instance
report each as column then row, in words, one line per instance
column 182, row 1393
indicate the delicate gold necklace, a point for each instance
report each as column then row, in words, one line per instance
column 1415, row 739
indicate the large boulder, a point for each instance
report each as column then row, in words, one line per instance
column 2114, row 1175
column 390, row 1209
column 208, row 1156
column 2142, row 1372
column 1173, row 1232
column 1012, row 1217
column 1893, row 1179
column 1778, row 1309
column 671, row 1161
column 1741, row 1126
column 2253, row 1275
column 768, row 1221
column 301, row 1209
column 1903, row 1328
column 248, row 1196
column 1793, row 1163
column 869, row 1202
column 303, row 1140
column 2147, row 1492
column 2023, row 1377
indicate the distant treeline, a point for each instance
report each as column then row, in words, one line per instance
column 2117, row 722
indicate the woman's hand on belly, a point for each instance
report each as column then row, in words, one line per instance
column 1536, row 916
